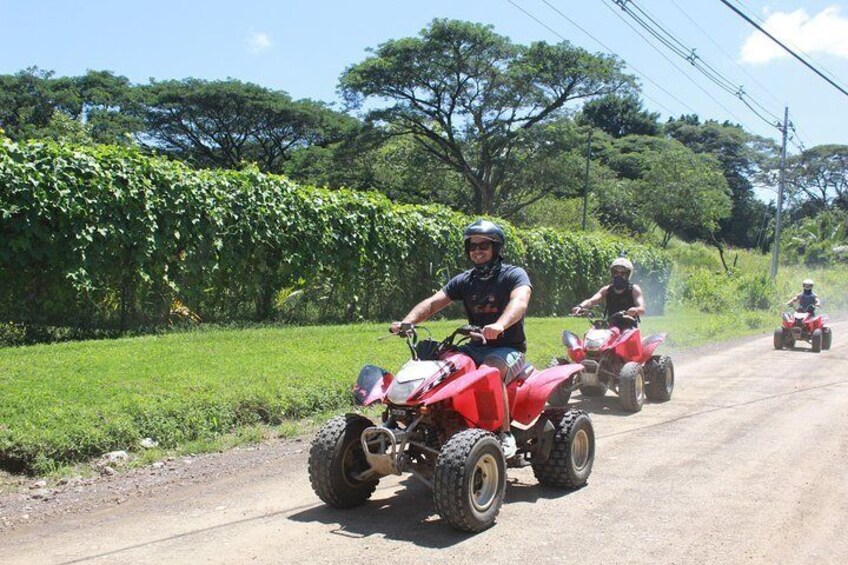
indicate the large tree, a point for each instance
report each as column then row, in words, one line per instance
column 620, row 115
column 227, row 123
column 741, row 156
column 471, row 97
column 684, row 193
column 817, row 178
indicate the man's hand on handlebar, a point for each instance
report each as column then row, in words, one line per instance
column 492, row 331
column 401, row 328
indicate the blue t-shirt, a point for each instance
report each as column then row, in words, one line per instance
column 485, row 301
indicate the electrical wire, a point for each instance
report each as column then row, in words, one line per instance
column 656, row 30
column 672, row 63
column 599, row 42
column 726, row 54
column 793, row 45
column 787, row 49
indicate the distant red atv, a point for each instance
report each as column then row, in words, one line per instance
column 440, row 423
column 803, row 325
column 619, row 360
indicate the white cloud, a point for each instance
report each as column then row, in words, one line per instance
column 823, row 33
column 259, row 42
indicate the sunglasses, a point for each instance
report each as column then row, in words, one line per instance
column 482, row 246
column 620, row 272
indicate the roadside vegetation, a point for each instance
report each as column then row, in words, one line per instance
column 212, row 387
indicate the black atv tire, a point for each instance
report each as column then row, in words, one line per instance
column 827, row 338
column 335, row 454
column 816, row 340
column 594, row 391
column 631, row 386
column 778, row 338
column 660, row 372
column 469, row 482
column 572, row 454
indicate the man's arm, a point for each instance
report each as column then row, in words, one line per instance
column 596, row 299
column 424, row 309
column 795, row 299
column 519, row 298
column 639, row 308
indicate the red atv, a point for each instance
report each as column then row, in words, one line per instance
column 803, row 325
column 440, row 423
column 615, row 357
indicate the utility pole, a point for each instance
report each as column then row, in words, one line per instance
column 776, row 249
column 586, row 182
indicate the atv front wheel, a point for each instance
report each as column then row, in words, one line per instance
column 827, row 338
column 631, row 386
column 572, row 453
column 816, row 341
column 660, row 370
column 778, row 339
column 470, row 480
column 336, row 460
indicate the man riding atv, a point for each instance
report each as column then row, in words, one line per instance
column 806, row 299
column 620, row 296
column 495, row 296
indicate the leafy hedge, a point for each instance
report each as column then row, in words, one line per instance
column 109, row 239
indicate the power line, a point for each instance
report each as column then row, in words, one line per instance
column 794, row 46
column 726, row 54
column 656, row 29
column 681, row 71
column 787, row 49
column 599, row 42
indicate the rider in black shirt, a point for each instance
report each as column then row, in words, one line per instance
column 620, row 296
column 495, row 296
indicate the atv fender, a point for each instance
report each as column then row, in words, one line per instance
column 533, row 393
column 649, row 344
column 477, row 396
column 371, row 385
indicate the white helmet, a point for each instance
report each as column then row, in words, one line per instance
column 807, row 282
column 623, row 262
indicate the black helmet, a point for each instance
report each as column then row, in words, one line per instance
column 489, row 230
column 486, row 229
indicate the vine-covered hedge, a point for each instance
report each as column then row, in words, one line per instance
column 107, row 238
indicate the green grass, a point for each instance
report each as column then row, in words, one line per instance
column 209, row 389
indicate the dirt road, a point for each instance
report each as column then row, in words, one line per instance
column 746, row 464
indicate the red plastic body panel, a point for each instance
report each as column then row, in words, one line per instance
column 477, row 396
column 810, row 322
column 528, row 397
column 649, row 344
column 628, row 345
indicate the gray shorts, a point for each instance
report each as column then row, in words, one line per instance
column 508, row 360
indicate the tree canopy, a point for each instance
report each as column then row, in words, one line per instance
column 469, row 97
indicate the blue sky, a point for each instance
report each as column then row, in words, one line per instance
column 303, row 47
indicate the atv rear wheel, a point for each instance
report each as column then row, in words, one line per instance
column 660, row 370
column 336, row 458
column 827, row 338
column 470, row 480
column 631, row 386
column 816, row 340
column 778, row 338
column 572, row 453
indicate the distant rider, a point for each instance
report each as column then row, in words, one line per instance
column 620, row 296
column 806, row 299
column 495, row 296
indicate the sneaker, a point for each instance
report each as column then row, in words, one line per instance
column 508, row 445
